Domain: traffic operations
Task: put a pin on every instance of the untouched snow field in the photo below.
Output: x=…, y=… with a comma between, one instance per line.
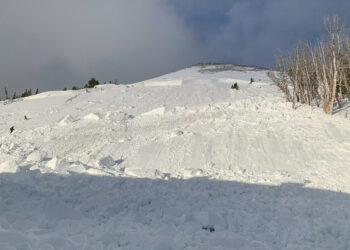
x=181, y=161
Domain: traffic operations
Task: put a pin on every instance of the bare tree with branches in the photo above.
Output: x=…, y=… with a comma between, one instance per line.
x=320, y=74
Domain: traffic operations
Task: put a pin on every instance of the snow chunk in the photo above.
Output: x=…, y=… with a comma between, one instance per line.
x=8, y=167
x=52, y=164
x=189, y=173
x=34, y=157
x=157, y=111
x=92, y=117
x=77, y=168
x=132, y=172
x=94, y=171
x=66, y=120
x=108, y=114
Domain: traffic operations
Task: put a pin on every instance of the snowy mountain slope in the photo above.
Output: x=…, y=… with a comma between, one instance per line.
x=158, y=164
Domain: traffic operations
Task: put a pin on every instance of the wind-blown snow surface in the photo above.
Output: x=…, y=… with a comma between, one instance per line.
x=177, y=162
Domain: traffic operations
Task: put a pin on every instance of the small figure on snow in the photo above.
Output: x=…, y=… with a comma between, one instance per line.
x=235, y=86
x=12, y=129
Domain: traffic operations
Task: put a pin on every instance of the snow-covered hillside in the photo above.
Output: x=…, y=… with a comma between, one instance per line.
x=181, y=161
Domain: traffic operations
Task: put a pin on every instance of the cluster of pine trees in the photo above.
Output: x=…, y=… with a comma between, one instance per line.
x=27, y=92
x=91, y=84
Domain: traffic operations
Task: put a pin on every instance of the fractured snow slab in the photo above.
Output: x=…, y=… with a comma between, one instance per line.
x=231, y=80
x=49, y=94
x=163, y=83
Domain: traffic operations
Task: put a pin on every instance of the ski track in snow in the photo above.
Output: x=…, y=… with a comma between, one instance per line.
x=160, y=164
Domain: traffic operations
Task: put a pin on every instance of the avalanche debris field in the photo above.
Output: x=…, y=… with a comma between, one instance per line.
x=181, y=161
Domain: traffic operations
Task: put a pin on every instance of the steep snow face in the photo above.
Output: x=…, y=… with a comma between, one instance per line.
x=181, y=161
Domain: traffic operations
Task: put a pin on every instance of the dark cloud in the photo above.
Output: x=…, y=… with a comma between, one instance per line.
x=252, y=31
x=54, y=44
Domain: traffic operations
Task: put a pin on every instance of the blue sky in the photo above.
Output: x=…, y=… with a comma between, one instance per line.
x=49, y=44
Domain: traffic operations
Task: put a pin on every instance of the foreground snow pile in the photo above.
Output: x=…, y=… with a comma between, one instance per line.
x=177, y=162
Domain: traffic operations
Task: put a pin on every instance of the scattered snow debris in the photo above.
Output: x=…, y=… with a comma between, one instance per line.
x=176, y=162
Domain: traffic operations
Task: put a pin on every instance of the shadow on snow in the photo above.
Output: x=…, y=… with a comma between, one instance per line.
x=77, y=211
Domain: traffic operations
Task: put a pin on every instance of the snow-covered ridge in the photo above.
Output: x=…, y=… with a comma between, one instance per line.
x=161, y=163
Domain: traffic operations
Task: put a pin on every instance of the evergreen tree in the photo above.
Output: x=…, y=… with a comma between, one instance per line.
x=25, y=93
x=37, y=91
x=92, y=83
